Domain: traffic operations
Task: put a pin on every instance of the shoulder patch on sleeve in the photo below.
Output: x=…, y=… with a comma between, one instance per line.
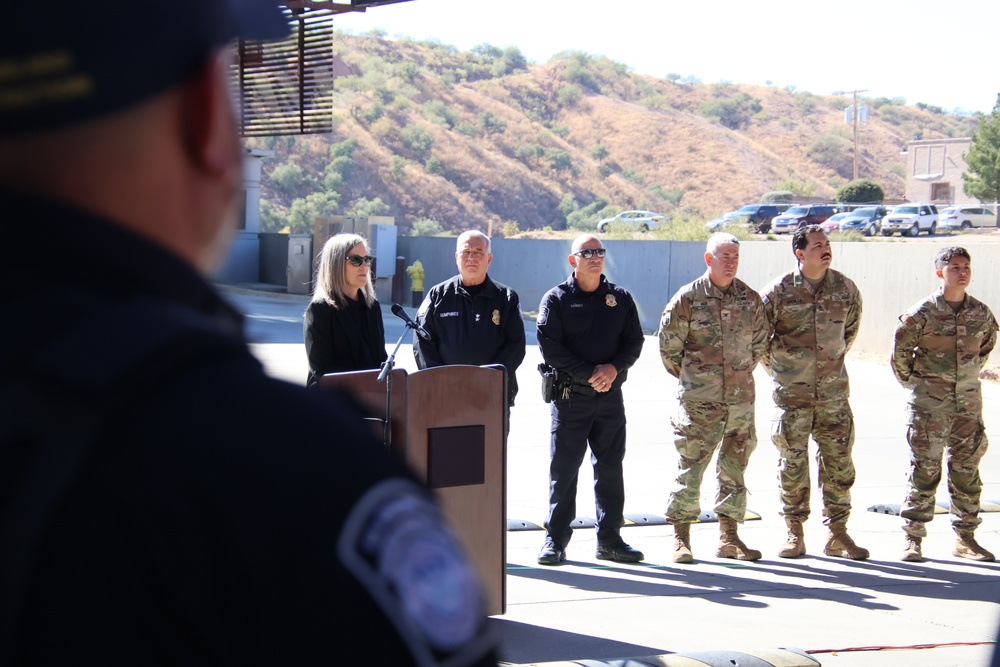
x=395, y=543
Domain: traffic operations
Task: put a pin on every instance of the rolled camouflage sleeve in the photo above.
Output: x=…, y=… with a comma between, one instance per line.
x=761, y=336
x=674, y=325
x=853, y=322
x=904, y=347
x=770, y=314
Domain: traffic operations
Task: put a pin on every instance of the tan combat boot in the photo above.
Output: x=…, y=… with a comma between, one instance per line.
x=967, y=547
x=840, y=545
x=911, y=549
x=796, y=544
x=730, y=545
x=682, y=543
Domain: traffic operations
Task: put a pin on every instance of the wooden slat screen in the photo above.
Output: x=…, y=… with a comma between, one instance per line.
x=285, y=88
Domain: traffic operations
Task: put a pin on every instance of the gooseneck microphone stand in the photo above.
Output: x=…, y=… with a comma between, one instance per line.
x=386, y=375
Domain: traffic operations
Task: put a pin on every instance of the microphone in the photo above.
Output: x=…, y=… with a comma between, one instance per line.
x=398, y=311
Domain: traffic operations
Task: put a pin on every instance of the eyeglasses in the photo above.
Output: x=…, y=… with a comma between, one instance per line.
x=356, y=260
x=587, y=254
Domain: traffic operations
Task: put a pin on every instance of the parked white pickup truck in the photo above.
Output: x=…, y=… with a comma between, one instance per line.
x=910, y=220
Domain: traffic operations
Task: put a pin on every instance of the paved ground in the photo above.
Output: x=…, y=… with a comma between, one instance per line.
x=589, y=609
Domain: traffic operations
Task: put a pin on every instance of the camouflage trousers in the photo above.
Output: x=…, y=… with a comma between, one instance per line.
x=930, y=435
x=831, y=425
x=699, y=428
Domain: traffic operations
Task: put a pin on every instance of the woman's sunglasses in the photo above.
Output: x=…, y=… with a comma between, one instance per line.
x=356, y=260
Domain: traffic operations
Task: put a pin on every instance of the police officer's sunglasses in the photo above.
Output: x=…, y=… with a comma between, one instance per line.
x=356, y=260
x=587, y=254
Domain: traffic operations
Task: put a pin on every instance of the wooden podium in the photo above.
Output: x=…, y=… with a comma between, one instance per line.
x=447, y=423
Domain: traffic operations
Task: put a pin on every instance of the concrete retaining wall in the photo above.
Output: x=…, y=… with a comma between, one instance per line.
x=891, y=276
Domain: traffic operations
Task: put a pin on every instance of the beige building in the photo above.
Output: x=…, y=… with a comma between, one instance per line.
x=934, y=171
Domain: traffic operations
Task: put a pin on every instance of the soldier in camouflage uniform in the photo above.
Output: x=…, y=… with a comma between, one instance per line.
x=712, y=335
x=813, y=312
x=940, y=346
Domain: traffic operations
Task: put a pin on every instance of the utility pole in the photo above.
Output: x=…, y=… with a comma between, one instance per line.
x=855, y=112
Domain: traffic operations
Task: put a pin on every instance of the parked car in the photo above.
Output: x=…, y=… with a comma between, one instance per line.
x=867, y=220
x=911, y=219
x=800, y=216
x=641, y=220
x=832, y=224
x=956, y=218
x=759, y=216
x=724, y=220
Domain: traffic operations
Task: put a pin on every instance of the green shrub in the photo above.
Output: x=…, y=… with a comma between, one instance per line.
x=633, y=177
x=861, y=191
x=528, y=152
x=433, y=165
x=673, y=196
x=585, y=219
x=417, y=138
x=490, y=124
x=438, y=112
x=559, y=159
x=778, y=197
x=397, y=167
x=425, y=228
x=569, y=95
x=289, y=179
x=365, y=207
x=798, y=188
x=833, y=152
x=304, y=211
x=733, y=112
x=509, y=229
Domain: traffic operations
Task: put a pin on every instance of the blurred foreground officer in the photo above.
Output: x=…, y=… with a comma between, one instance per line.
x=472, y=319
x=712, y=335
x=161, y=500
x=941, y=344
x=814, y=313
x=588, y=330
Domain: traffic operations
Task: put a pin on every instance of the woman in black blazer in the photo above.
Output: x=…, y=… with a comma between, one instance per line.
x=343, y=324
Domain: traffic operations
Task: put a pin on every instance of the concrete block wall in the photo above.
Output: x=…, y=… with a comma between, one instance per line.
x=891, y=276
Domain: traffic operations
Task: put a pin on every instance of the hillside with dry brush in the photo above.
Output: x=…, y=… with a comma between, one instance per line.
x=440, y=138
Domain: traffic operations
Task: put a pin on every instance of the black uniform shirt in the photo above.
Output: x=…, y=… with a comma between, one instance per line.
x=579, y=330
x=220, y=517
x=485, y=329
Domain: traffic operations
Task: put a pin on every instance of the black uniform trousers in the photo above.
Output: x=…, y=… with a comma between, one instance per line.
x=576, y=421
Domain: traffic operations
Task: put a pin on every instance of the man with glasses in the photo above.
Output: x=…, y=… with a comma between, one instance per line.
x=163, y=501
x=471, y=318
x=588, y=330
x=712, y=334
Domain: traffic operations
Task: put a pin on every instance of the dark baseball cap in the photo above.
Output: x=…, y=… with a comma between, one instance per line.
x=65, y=61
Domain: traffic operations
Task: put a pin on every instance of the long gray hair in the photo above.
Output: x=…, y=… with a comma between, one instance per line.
x=330, y=285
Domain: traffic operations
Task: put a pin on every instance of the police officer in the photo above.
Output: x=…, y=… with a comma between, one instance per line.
x=472, y=319
x=163, y=501
x=712, y=335
x=941, y=344
x=814, y=313
x=588, y=330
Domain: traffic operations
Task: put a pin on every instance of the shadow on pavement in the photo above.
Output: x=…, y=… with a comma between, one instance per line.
x=524, y=643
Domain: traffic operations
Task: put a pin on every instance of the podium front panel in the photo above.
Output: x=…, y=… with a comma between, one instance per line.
x=461, y=410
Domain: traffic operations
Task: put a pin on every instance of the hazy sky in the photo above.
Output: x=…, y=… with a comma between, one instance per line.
x=940, y=53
